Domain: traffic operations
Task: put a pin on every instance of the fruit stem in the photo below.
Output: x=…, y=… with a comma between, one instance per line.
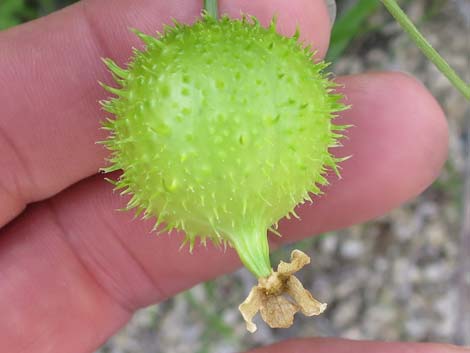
x=253, y=250
x=211, y=8
x=426, y=47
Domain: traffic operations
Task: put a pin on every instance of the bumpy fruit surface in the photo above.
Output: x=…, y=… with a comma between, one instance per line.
x=221, y=128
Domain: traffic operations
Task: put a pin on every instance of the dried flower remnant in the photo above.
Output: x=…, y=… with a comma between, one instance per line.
x=269, y=297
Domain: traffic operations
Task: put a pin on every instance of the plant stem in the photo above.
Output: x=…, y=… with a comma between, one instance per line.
x=426, y=47
x=253, y=249
x=211, y=7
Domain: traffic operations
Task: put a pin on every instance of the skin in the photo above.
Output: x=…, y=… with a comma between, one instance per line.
x=72, y=269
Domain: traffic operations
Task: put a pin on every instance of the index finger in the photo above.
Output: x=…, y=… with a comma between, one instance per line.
x=49, y=91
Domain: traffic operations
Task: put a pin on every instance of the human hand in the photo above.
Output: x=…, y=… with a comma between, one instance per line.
x=72, y=269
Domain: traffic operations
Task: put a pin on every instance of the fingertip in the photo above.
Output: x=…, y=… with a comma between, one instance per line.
x=408, y=111
x=433, y=134
x=399, y=143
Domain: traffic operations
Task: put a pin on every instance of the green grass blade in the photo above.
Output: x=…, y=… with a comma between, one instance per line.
x=349, y=25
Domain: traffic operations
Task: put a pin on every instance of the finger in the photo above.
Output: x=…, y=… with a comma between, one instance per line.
x=49, y=91
x=397, y=151
x=77, y=248
x=330, y=345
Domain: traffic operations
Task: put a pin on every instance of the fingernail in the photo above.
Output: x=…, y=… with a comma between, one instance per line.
x=331, y=4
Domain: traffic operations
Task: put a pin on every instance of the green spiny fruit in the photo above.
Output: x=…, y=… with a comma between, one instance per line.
x=221, y=128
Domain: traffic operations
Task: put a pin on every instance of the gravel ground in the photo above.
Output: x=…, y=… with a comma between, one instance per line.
x=396, y=278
